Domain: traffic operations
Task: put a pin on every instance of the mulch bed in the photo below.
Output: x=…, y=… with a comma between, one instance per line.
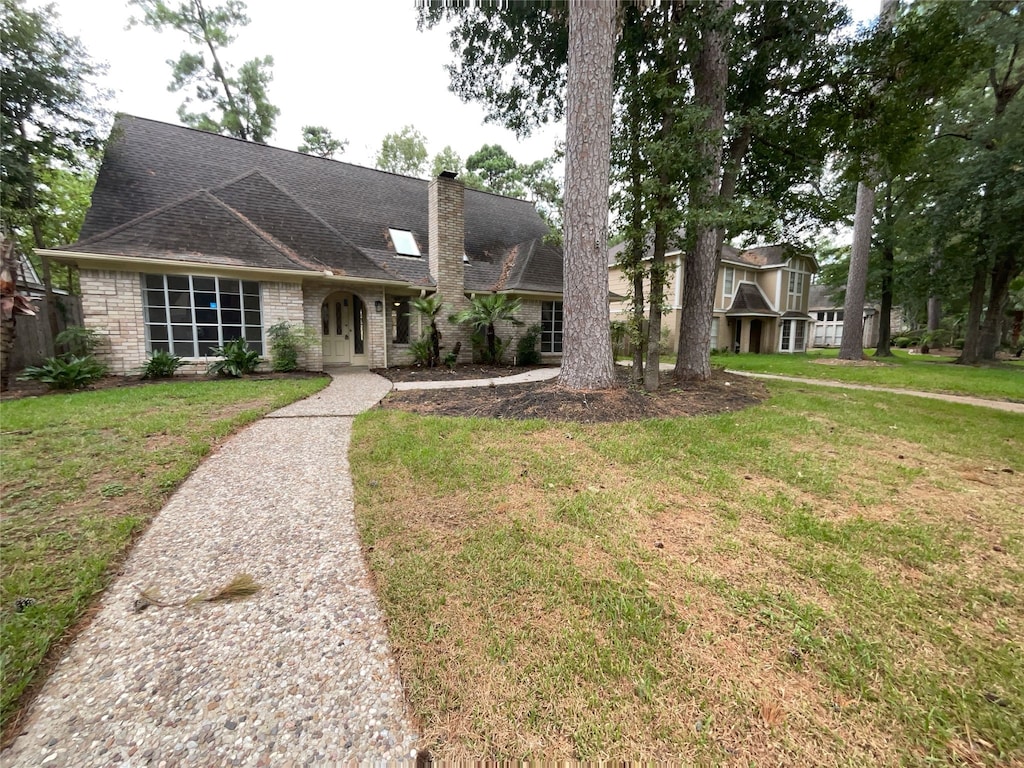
x=547, y=400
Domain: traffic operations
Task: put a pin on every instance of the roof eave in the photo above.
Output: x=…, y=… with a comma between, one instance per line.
x=118, y=261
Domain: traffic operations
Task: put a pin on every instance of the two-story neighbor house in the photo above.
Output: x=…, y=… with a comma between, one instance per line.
x=761, y=298
x=194, y=239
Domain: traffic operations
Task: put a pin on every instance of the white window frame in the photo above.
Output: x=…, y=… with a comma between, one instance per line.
x=551, y=327
x=728, y=281
x=180, y=319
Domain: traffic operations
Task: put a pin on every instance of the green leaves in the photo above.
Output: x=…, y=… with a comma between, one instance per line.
x=241, y=99
x=404, y=152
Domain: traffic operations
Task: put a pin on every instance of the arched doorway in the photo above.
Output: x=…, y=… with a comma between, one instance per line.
x=343, y=325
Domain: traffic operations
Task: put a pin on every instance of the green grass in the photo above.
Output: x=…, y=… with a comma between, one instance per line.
x=902, y=370
x=82, y=475
x=824, y=579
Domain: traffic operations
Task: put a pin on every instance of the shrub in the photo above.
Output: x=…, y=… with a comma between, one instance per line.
x=236, y=359
x=422, y=350
x=286, y=342
x=161, y=365
x=80, y=342
x=526, y=348
x=69, y=372
x=902, y=341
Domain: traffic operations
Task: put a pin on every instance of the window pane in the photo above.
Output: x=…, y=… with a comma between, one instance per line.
x=155, y=281
x=206, y=315
x=231, y=316
x=250, y=288
x=184, y=349
x=839, y=316
x=206, y=284
x=155, y=298
x=207, y=300
x=181, y=315
x=206, y=348
x=160, y=346
x=405, y=243
x=156, y=315
x=181, y=332
x=231, y=332
x=230, y=301
x=228, y=286
x=208, y=333
x=251, y=302
x=253, y=334
x=158, y=332
x=179, y=299
x=325, y=320
x=252, y=318
x=177, y=283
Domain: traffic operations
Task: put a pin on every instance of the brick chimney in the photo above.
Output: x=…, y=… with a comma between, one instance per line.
x=446, y=243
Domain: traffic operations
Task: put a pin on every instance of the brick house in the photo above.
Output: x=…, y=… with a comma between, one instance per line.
x=761, y=298
x=194, y=239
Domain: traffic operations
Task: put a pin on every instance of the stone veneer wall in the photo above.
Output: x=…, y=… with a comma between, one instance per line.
x=112, y=305
x=446, y=225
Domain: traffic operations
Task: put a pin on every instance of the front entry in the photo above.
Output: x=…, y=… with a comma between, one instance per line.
x=755, y=335
x=343, y=321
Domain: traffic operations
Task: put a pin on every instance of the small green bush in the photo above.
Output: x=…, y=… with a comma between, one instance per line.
x=902, y=341
x=80, y=342
x=526, y=348
x=422, y=350
x=69, y=372
x=236, y=359
x=286, y=342
x=161, y=365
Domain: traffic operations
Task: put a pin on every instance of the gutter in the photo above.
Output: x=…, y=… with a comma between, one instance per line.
x=192, y=267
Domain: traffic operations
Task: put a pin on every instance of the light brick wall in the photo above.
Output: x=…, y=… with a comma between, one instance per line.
x=112, y=305
x=283, y=302
x=446, y=228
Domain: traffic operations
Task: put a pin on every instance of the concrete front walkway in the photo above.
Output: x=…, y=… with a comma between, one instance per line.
x=298, y=674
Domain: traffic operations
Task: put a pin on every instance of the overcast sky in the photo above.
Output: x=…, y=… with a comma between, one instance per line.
x=360, y=68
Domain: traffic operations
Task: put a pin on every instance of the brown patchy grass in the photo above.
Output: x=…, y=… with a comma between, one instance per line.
x=793, y=584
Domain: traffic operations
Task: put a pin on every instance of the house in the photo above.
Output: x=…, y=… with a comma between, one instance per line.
x=761, y=297
x=828, y=314
x=194, y=239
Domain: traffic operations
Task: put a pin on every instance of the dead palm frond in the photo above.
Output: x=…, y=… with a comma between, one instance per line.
x=240, y=587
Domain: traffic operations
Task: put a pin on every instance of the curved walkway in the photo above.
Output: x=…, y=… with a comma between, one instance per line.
x=1001, y=405
x=298, y=674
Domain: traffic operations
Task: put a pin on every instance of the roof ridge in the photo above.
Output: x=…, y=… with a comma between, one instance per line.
x=312, y=214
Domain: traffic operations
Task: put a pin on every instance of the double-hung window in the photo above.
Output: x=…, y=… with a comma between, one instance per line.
x=190, y=315
x=551, y=327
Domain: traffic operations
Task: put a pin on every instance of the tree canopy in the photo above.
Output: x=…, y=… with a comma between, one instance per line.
x=218, y=99
x=318, y=140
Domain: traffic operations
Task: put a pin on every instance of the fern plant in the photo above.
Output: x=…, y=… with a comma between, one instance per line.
x=236, y=359
x=161, y=365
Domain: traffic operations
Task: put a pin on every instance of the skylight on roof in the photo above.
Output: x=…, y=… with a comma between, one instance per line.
x=405, y=243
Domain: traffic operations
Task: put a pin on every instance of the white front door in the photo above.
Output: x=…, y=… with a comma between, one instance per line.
x=336, y=319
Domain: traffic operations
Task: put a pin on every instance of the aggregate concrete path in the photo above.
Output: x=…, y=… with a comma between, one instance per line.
x=298, y=674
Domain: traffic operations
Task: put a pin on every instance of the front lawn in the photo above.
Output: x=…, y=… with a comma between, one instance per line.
x=929, y=373
x=82, y=475
x=831, y=578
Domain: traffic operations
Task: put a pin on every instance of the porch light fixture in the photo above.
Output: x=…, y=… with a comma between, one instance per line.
x=378, y=306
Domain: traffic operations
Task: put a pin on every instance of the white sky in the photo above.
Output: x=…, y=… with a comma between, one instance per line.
x=358, y=67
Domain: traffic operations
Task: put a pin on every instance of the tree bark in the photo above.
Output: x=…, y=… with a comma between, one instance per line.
x=587, y=351
x=852, y=346
x=710, y=79
x=972, y=330
x=934, y=313
x=1003, y=272
x=652, y=373
x=888, y=263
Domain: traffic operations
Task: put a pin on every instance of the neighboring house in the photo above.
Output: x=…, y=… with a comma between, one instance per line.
x=761, y=298
x=828, y=314
x=194, y=239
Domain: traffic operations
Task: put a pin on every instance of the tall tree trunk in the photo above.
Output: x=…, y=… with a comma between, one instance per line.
x=587, y=351
x=934, y=313
x=710, y=78
x=652, y=372
x=852, y=346
x=969, y=355
x=633, y=266
x=888, y=263
x=1003, y=272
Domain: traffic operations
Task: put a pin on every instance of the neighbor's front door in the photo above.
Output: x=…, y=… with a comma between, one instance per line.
x=336, y=318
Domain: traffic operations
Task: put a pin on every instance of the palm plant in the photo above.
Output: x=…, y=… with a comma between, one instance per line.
x=483, y=314
x=430, y=308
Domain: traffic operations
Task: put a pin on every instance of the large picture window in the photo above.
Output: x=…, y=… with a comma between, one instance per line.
x=190, y=316
x=551, y=327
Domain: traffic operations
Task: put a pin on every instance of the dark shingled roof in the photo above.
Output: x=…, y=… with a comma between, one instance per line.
x=750, y=301
x=169, y=192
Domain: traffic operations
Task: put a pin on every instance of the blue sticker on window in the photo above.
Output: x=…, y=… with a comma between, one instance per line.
x=213, y=305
